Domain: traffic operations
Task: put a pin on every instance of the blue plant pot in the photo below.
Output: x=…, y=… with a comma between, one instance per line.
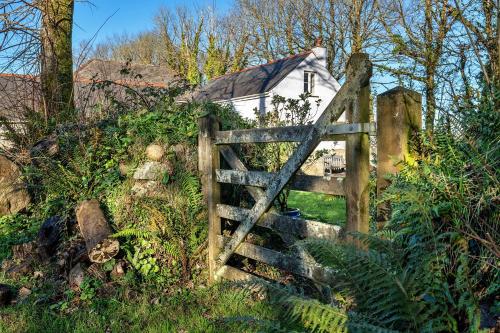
x=292, y=212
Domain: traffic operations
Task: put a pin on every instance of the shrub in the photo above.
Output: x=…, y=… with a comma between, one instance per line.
x=163, y=233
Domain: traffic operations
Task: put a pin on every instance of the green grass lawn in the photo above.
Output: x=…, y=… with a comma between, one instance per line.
x=319, y=207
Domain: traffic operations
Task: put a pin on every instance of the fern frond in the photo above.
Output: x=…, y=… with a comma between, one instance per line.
x=172, y=249
x=316, y=316
x=382, y=288
x=133, y=232
x=192, y=189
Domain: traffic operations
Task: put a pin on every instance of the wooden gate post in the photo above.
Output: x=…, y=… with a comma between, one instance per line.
x=399, y=112
x=357, y=157
x=208, y=162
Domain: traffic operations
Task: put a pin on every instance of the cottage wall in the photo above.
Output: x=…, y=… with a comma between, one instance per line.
x=325, y=86
x=247, y=105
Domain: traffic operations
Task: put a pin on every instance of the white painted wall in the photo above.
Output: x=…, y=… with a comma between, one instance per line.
x=325, y=88
x=247, y=105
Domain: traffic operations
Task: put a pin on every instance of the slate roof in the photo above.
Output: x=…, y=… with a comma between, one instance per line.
x=249, y=81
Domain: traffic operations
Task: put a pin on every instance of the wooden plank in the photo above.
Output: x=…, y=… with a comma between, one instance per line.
x=350, y=128
x=358, y=161
x=208, y=163
x=334, y=132
x=318, y=184
x=296, y=227
x=256, y=135
x=252, y=178
x=234, y=274
x=361, y=70
x=293, y=264
x=256, y=192
x=340, y=131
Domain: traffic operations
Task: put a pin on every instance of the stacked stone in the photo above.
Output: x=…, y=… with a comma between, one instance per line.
x=148, y=176
x=14, y=196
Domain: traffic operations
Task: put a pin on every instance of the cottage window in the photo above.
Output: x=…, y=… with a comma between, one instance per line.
x=309, y=82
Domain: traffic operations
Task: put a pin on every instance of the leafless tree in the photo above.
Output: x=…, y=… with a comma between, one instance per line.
x=416, y=34
x=19, y=37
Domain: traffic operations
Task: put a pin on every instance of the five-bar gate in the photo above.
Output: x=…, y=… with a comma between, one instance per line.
x=353, y=98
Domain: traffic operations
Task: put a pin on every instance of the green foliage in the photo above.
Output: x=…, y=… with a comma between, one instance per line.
x=168, y=122
x=83, y=171
x=198, y=310
x=162, y=233
x=215, y=65
x=88, y=289
x=434, y=267
x=16, y=229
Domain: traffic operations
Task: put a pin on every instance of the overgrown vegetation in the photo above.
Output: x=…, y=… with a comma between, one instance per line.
x=214, y=309
x=162, y=235
x=434, y=266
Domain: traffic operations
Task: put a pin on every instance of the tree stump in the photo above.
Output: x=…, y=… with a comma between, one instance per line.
x=96, y=231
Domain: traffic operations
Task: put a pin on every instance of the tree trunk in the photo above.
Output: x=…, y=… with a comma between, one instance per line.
x=57, y=60
x=357, y=40
x=430, y=102
x=429, y=64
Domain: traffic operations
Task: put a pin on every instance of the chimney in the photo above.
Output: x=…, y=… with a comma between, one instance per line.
x=320, y=51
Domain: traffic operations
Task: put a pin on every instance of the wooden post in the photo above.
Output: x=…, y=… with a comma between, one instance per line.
x=399, y=113
x=209, y=161
x=357, y=156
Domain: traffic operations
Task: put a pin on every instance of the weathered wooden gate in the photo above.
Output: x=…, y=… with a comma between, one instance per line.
x=353, y=98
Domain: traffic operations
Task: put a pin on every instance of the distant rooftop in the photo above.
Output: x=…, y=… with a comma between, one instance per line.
x=119, y=72
x=21, y=92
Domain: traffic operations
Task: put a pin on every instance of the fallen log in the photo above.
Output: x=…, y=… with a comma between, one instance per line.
x=96, y=232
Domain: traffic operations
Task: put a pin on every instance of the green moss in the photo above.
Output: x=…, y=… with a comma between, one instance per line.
x=16, y=229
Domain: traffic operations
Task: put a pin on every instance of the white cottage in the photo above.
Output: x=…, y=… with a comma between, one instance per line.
x=253, y=88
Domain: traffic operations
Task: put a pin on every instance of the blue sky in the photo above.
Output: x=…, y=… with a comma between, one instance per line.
x=132, y=16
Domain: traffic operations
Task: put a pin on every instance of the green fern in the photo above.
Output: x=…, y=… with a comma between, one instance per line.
x=133, y=232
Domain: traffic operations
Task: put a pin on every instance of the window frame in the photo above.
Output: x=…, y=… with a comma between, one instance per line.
x=309, y=82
